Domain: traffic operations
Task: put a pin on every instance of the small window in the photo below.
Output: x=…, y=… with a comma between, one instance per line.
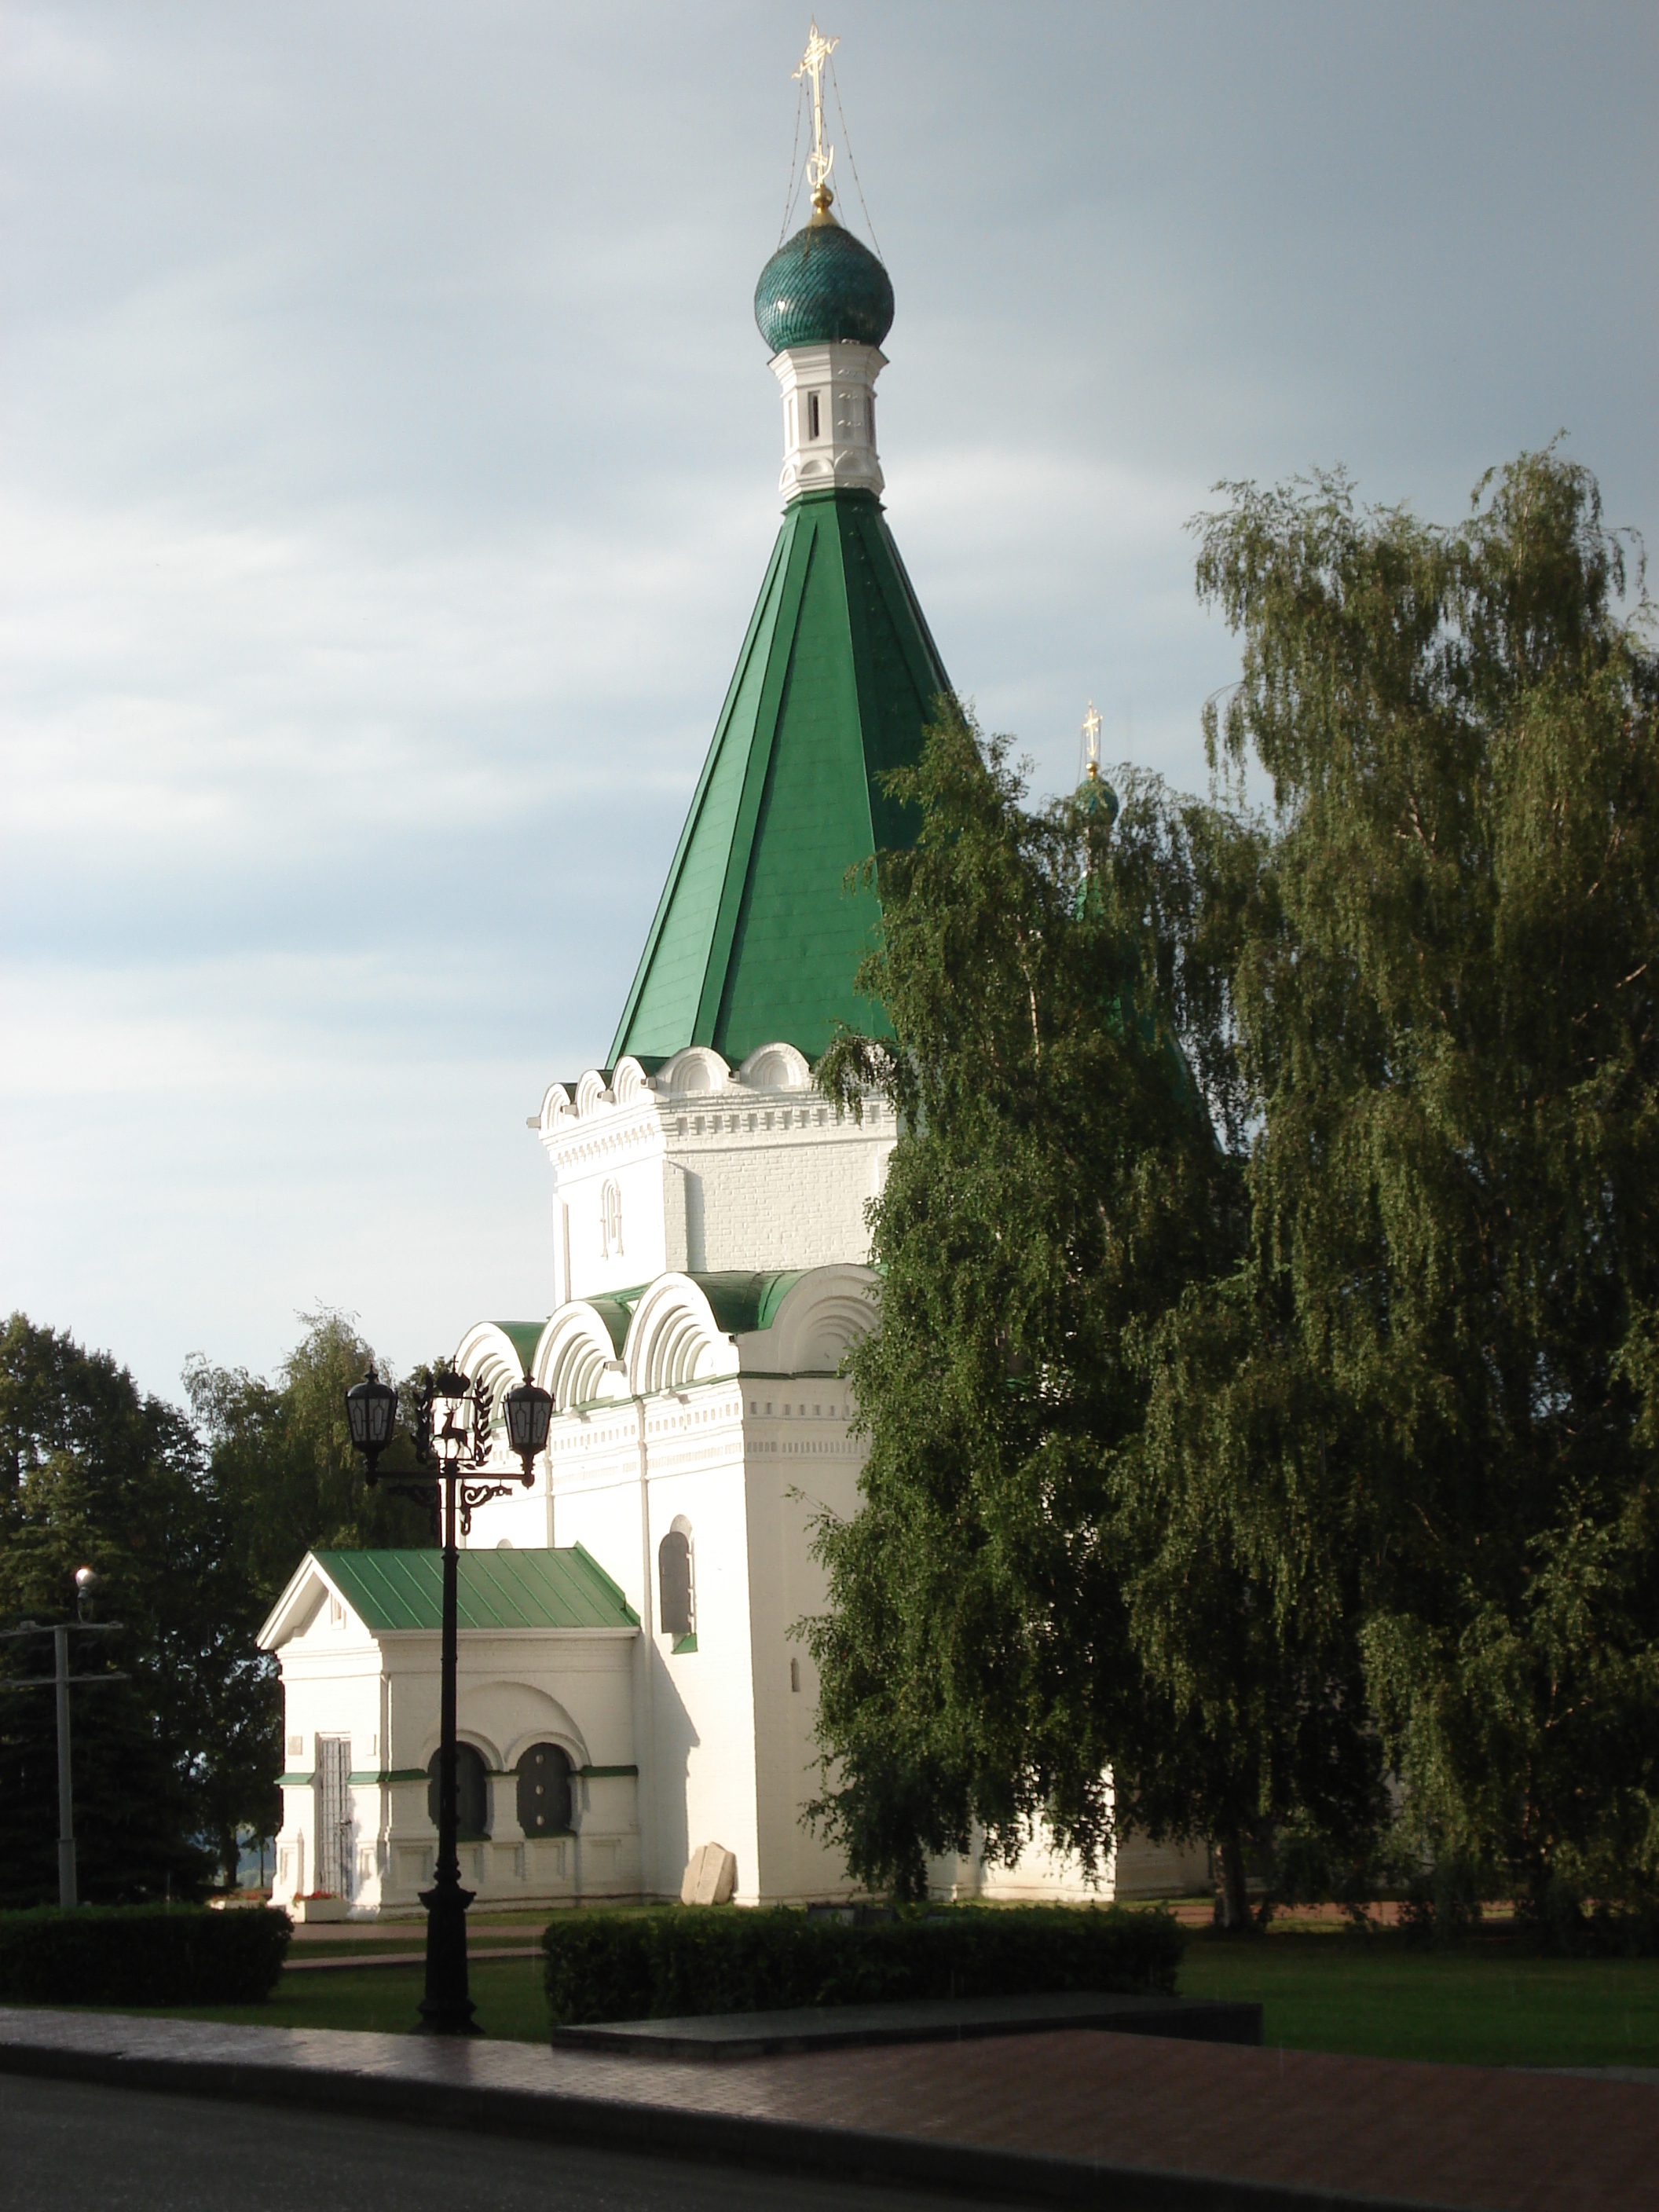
x=472, y=1794
x=674, y=1582
x=811, y=413
x=794, y=1674
x=611, y=1241
x=336, y=1613
x=544, y=1791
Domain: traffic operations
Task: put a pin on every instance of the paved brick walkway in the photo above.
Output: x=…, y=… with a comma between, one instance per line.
x=1048, y=2116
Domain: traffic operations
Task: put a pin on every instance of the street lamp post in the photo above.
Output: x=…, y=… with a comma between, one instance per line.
x=452, y=1441
x=85, y=1583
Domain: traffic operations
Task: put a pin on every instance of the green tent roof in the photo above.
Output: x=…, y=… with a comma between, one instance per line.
x=562, y=1588
x=757, y=936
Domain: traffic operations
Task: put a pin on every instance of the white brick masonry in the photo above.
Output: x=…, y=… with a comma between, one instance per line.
x=703, y=1168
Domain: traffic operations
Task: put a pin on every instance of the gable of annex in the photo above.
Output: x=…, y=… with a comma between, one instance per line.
x=376, y=1594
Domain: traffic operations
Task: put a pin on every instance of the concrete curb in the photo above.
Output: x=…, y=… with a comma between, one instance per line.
x=713, y=2138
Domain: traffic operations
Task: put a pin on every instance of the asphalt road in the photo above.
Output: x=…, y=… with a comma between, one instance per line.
x=63, y=2146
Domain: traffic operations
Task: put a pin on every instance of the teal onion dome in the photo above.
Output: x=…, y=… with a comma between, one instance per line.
x=1095, y=797
x=822, y=284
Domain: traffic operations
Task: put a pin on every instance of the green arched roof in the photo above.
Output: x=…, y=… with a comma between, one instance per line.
x=742, y=1302
x=523, y=1336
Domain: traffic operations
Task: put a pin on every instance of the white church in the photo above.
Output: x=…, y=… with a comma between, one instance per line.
x=629, y=1690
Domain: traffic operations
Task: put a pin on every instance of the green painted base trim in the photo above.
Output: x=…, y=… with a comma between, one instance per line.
x=685, y=1644
x=383, y=1774
x=595, y=1774
x=295, y=1781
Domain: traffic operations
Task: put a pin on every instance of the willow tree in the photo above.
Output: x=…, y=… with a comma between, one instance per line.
x=1062, y=1064
x=1445, y=1342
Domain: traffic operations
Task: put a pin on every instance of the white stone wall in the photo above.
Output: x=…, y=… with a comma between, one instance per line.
x=704, y=1169
x=622, y=1479
x=573, y=1688
x=798, y=1460
x=743, y=1426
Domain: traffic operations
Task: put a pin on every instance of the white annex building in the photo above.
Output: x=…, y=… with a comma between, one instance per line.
x=629, y=1687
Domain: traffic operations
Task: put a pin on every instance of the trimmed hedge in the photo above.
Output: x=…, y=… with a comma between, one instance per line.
x=662, y=1964
x=146, y=1954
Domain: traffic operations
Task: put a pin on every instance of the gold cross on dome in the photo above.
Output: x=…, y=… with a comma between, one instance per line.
x=1091, y=742
x=818, y=163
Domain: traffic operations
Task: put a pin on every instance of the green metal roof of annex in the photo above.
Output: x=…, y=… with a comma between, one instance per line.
x=757, y=936
x=565, y=1588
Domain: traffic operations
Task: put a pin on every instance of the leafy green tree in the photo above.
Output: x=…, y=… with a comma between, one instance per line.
x=1063, y=1065
x=281, y=1479
x=1443, y=1347
x=194, y=1528
x=282, y=1469
x=94, y=1473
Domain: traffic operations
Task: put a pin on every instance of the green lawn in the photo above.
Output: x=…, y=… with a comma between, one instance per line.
x=507, y=1994
x=1487, y=2003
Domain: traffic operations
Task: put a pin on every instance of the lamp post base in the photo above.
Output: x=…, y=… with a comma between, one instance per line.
x=447, y=2008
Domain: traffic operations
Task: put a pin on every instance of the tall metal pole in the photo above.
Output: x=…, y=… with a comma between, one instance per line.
x=447, y=2007
x=66, y=1894
x=465, y=1441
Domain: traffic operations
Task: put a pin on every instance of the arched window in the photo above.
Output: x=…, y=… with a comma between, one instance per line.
x=544, y=1791
x=611, y=1241
x=472, y=1794
x=674, y=1585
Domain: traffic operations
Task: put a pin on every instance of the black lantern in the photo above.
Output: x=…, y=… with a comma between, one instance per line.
x=529, y=1412
x=372, y=1411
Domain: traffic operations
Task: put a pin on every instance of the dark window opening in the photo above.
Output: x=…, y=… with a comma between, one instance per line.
x=472, y=1794
x=544, y=1791
x=812, y=429
x=674, y=1576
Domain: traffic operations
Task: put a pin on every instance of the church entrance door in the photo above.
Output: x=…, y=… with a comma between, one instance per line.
x=333, y=1850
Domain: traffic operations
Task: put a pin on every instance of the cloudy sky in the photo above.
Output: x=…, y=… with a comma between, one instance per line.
x=389, y=462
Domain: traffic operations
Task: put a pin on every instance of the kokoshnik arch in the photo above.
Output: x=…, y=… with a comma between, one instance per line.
x=629, y=1689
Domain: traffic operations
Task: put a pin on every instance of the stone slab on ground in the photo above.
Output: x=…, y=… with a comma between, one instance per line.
x=957, y=2020
x=1079, y=2117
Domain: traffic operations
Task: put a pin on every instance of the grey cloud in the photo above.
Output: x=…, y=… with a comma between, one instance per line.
x=390, y=464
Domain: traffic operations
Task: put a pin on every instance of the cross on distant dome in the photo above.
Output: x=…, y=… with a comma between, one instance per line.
x=1092, y=743
x=818, y=162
